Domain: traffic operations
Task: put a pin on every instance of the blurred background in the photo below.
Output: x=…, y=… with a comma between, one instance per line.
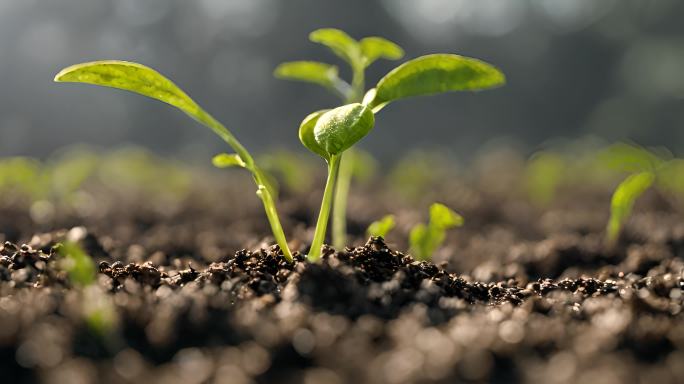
x=607, y=68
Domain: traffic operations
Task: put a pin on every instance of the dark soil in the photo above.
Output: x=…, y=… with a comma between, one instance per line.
x=519, y=295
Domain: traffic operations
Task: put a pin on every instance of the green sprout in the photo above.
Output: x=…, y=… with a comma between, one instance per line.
x=78, y=265
x=543, y=175
x=623, y=199
x=143, y=80
x=359, y=55
x=381, y=227
x=98, y=308
x=645, y=167
x=425, y=239
x=426, y=75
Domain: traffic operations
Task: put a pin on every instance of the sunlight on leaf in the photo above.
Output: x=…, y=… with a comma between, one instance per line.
x=306, y=134
x=438, y=73
x=339, y=42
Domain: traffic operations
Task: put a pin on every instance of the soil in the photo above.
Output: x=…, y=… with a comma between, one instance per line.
x=521, y=294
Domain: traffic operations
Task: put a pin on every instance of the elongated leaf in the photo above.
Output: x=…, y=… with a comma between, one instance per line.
x=623, y=200
x=438, y=73
x=374, y=48
x=339, y=42
x=309, y=71
x=132, y=77
x=226, y=160
x=340, y=128
x=306, y=134
x=146, y=81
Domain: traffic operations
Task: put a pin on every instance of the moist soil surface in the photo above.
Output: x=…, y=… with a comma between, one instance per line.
x=520, y=294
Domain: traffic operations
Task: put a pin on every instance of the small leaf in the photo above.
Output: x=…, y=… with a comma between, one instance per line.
x=306, y=134
x=309, y=71
x=131, y=77
x=444, y=218
x=374, y=48
x=226, y=160
x=340, y=128
x=78, y=264
x=438, y=73
x=623, y=200
x=339, y=42
x=381, y=227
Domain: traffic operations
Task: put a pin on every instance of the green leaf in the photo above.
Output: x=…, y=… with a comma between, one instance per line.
x=78, y=264
x=306, y=134
x=374, y=48
x=630, y=158
x=438, y=73
x=381, y=227
x=146, y=81
x=419, y=241
x=309, y=71
x=623, y=200
x=131, y=77
x=226, y=160
x=339, y=42
x=338, y=129
x=444, y=218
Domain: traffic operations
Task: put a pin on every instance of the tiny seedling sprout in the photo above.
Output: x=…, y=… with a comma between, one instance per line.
x=425, y=239
x=338, y=129
x=381, y=227
x=148, y=82
x=623, y=199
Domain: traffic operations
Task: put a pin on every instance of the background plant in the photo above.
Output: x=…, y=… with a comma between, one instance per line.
x=424, y=239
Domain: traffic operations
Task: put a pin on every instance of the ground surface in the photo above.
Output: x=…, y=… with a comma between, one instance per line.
x=521, y=294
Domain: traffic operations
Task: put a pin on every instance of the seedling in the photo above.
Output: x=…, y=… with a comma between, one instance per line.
x=381, y=227
x=98, y=309
x=425, y=239
x=143, y=80
x=359, y=55
x=623, y=199
x=338, y=129
x=543, y=176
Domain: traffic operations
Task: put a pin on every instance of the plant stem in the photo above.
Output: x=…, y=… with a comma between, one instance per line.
x=339, y=219
x=324, y=214
x=263, y=193
x=343, y=184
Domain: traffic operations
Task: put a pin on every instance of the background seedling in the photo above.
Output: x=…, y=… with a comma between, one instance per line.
x=426, y=75
x=543, y=175
x=98, y=309
x=623, y=199
x=425, y=239
x=645, y=167
x=146, y=81
x=381, y=227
